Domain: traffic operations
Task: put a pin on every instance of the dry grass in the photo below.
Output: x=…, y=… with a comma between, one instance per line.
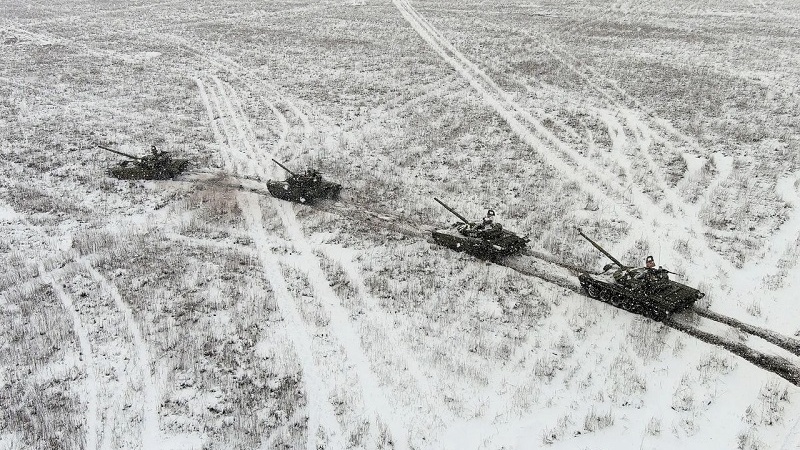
x=40, y=389
x=206, y=315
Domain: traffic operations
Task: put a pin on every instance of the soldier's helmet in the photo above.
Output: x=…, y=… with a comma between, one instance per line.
x=490, y=213
x=153, y=149
x=649, y=262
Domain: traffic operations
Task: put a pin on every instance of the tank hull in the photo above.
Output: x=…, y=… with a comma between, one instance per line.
x=656, y=301
x=165, y=171
x=494, y=245
x=304, y=193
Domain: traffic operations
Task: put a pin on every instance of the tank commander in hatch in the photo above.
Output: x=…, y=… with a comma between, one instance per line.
x=487, y=224
x=158, y=155
x=653, y=274
x=488, y=221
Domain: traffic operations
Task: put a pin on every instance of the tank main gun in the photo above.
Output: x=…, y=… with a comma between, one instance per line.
x=284, y=168
x=453, y=211
x=120, y=153
x=597, y=246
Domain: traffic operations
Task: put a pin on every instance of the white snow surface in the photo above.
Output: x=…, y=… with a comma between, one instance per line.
x=393, y=342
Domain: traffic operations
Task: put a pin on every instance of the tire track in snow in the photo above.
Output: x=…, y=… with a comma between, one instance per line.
x=374, y=397
x=212, y=119
x=240, y=129
x=320, y=410
x=513, y=114
x=84, y=344
x=321, y=415
x=501, y=102
x=91, y=383
x=218, y=112
x=112, y=407
x=426, y=387
x=608, y=179
x=151, y=432
x=651, y=129
x=37, y=280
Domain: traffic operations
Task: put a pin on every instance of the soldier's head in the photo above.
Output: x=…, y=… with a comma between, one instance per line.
x=490, y=213
x=649, y=262
x=153, y=149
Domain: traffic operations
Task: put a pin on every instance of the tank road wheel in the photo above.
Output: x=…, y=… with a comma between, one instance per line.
x=592, y=290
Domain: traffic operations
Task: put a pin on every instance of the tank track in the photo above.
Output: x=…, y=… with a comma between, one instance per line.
x=607, y=294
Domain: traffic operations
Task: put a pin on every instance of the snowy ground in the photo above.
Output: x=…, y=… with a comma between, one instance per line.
x=196, y=314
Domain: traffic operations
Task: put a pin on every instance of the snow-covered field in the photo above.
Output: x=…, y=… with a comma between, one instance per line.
x=196, y=313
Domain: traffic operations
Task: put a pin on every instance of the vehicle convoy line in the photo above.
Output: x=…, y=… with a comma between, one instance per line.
x=526, y=264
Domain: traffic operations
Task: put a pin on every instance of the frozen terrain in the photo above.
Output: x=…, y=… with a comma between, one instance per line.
x=201, y=313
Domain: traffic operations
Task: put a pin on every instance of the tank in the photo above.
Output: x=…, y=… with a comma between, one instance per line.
x=158, y=165
x=642, y=290
x=304, y=188
x=485, y=242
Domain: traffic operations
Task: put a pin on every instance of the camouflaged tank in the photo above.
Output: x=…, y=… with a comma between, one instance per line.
x=158, y=165
x=304, y=188
x=482, y=241
x=645, y=290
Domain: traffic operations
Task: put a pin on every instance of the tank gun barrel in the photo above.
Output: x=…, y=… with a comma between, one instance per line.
x=669, y=271
x=453, y=211
x=597, y=246
x=284, y=167
x=119, y=153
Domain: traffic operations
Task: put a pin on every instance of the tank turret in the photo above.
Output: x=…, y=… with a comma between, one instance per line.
x=307, y=187
x=487, y=240
x=644, y=290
